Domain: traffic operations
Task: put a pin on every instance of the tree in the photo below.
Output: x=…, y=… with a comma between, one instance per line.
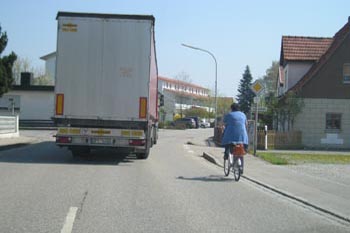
x=294, y=104
x=269, y=81
x=20, y=65
x=181, y=96
x=224, y=104
x=246, y=95
x=24, y=65
x=270, y=78
x=284, y=110
x=199, y=112
x=6, y=63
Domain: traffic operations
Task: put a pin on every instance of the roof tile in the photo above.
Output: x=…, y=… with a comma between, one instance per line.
x=298, y=48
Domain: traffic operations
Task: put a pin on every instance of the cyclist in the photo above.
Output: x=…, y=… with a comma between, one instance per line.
x=235, y=130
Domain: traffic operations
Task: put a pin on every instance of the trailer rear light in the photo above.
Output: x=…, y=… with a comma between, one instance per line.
x=59, y=104
x=137, y=142
x=143, y=107
x=64, y=139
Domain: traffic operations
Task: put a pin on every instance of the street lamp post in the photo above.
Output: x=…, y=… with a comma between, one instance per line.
x=216, y=75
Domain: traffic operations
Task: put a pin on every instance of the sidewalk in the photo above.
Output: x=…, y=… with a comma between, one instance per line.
x=13, y=142
x=321, y=190
x=323, y=187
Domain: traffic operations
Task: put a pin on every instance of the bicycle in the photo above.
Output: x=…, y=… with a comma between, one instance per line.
x=234, y=161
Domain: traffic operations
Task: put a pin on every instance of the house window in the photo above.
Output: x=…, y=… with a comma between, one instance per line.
x=333, y=121
x=346, y=73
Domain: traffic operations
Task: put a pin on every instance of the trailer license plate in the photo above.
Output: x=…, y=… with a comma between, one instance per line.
x=101, y=141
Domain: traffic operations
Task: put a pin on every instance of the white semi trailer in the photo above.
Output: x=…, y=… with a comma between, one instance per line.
x=106, y=82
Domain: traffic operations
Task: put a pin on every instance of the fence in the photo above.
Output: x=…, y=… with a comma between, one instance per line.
x=280, y=140
x=275, y=140
x=9, y=126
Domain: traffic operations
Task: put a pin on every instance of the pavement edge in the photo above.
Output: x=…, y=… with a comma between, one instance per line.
x=211, y=159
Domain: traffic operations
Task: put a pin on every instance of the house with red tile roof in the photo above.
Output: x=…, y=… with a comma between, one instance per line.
x=318, y=70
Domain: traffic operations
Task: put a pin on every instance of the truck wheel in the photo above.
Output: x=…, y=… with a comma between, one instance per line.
x=145, y=154
x=155, y=136
x=142, y=155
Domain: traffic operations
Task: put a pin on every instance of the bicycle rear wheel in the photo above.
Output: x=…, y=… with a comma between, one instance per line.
x=226, y=167
x=236, y=168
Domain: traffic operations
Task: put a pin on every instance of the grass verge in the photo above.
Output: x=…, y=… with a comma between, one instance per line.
x=300, y=158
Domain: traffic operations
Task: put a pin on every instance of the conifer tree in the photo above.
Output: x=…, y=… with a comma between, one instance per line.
x=6, y=63
x=245, y=95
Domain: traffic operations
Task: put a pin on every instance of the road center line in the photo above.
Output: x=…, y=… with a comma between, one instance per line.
x=68, y=224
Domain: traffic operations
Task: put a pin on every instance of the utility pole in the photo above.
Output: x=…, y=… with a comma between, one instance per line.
x=257, y=87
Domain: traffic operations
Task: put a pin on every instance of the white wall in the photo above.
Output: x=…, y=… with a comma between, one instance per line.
x=50, y=65
x=294, y=72
x=35, y=105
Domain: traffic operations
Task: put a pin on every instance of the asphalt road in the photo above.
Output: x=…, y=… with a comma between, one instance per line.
x=43, y=189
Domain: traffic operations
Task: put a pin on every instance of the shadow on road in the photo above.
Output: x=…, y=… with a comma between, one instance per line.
x=8, y=147
x=211, y=178
x=49, y=153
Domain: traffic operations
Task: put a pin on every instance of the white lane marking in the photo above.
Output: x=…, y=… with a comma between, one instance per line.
x=68, y=224
x=191, y=151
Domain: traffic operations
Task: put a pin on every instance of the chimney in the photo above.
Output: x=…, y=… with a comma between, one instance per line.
x=26, y=79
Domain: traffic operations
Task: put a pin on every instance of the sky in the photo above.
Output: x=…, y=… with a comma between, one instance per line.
x=237, y=32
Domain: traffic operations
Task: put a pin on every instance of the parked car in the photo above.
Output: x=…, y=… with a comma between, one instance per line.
x=187, y=122
x=205, y=124
x=196, y=120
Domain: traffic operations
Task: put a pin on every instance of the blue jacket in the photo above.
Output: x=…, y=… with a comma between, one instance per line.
x=235, y=128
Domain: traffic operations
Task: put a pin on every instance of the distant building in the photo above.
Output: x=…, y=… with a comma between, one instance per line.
x=31, y=102
x=180, y=95
x=50, y=64
x=318, y=70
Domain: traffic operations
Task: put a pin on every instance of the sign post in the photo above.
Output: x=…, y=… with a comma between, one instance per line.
x=257, y=87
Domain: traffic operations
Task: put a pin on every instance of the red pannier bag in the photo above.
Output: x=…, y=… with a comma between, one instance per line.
x=238, y=150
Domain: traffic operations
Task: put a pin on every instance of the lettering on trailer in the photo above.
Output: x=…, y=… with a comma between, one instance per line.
x=126, y=72
x=69, y=131
x=69, y=27
x=133, y=133
x=100, y=132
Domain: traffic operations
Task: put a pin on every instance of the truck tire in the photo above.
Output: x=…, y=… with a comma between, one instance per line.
x=142, y=155
x=149, y=144
x=155, y=135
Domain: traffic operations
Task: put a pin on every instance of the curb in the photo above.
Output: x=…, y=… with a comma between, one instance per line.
x=18, y=144
x=211, y=159
x=38, y=128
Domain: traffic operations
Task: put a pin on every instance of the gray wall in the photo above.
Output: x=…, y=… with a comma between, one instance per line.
x=328, y=82
x=312, y=123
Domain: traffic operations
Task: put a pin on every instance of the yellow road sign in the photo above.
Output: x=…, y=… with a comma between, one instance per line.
x=257, y=87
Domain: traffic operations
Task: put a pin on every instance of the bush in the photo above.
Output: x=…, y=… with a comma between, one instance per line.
x=161, y=125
